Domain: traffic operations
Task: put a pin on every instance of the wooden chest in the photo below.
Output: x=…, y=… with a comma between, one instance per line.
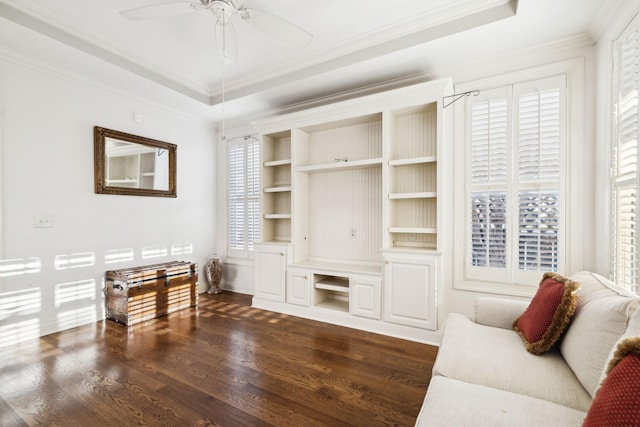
x=136, y=294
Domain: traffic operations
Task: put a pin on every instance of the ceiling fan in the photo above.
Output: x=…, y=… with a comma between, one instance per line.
x=224, y=11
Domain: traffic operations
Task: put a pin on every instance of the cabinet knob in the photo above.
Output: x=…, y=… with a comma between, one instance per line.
x=282, y=253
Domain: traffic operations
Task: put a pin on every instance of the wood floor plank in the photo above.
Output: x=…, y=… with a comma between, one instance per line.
x=221, y=364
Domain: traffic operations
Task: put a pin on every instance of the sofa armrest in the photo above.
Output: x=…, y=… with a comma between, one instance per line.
x=497, y=312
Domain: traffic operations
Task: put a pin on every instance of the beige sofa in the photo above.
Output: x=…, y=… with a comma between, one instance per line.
x=484, y=376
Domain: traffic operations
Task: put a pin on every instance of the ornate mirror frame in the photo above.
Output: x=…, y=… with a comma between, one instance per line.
x=104, y=185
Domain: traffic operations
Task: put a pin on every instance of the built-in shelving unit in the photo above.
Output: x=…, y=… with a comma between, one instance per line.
x=352, y=192
x=331, y=292
x=413, y=170
x=276, y=187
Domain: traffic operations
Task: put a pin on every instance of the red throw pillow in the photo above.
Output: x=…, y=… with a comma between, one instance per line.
x=548, y=314
x=617, y=402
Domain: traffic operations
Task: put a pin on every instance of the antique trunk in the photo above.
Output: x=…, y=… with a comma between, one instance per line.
x=136, y=294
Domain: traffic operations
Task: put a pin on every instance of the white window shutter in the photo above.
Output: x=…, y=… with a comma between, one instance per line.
x=243, y=196
x=489, y=131
x=236, y=197
x=516, y=139
x=626, y=131
x=540, y=137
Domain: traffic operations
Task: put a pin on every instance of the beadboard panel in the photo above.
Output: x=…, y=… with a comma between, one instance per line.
x=419, y=213
x=414, y=178
x=357, y=141
x=414, y=133
x=339, y=202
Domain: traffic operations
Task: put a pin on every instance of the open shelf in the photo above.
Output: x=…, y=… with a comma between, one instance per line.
x=278, y=189
x=331, y=292
x=274, y=163
x=338, y=284
x=341, y=165
x=335, y=304
x=277, y=216
x=416, y=230
x=420, y=195
x=336, y=267
x=413, y=161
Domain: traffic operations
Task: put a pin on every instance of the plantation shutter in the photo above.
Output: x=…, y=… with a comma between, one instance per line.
x=243, y=196
x=489, y=131
x=253, y=194
x=515, y=180
x=236, y=197
x=540, y=137
x=625, y=157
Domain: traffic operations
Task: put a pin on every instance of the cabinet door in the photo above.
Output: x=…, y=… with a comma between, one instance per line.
x=298, y=287
x=364, y=297
x=270, y=270
x=410, y=290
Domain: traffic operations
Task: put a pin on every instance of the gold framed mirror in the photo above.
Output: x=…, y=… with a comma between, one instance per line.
x=133, y=165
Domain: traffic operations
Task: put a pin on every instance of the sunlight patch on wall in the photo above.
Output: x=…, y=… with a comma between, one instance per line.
x=113, y=256
x=20, y=303
x=76, y=317
x=14, y=305
x=181, y=248
x=72, y=294
x=86, y=259
x=154, y=252
x=75, y=291
x=17, y=332
x=16, y=267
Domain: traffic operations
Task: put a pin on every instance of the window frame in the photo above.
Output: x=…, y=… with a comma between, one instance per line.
x=571, y=239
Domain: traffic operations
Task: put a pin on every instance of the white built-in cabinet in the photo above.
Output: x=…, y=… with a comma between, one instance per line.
x=270, y=272
x=350, y=197
x=411, y=280
x=298, y=286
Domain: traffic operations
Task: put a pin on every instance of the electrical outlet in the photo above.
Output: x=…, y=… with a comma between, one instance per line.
x=43, y=221
x=352, y=232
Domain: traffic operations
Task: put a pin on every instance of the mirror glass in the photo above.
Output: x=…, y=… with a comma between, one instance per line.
x=133, y=165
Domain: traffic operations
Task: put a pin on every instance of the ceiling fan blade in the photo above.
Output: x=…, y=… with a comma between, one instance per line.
x=277, y=27
x=227, y=42
x=162, y=10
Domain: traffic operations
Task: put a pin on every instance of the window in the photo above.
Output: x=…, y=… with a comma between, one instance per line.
x=626, y=70
x=243, y=193
x=514, y=182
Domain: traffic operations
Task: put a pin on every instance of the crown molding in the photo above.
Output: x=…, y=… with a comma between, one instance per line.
x=609, y=17
x=450, y=19
x=453, y=17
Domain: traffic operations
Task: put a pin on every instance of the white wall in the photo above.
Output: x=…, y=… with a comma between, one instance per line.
x=47, y=169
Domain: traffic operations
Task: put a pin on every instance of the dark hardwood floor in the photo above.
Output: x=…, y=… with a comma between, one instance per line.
x=223, y=364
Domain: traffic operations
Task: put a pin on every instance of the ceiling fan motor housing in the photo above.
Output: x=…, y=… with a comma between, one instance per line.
x=221, y=9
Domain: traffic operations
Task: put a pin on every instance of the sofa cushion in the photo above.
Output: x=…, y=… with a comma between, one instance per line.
x=548, y=314
x=495, y=357
x=600, y=319
x=451, y=403
x=617, y=400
